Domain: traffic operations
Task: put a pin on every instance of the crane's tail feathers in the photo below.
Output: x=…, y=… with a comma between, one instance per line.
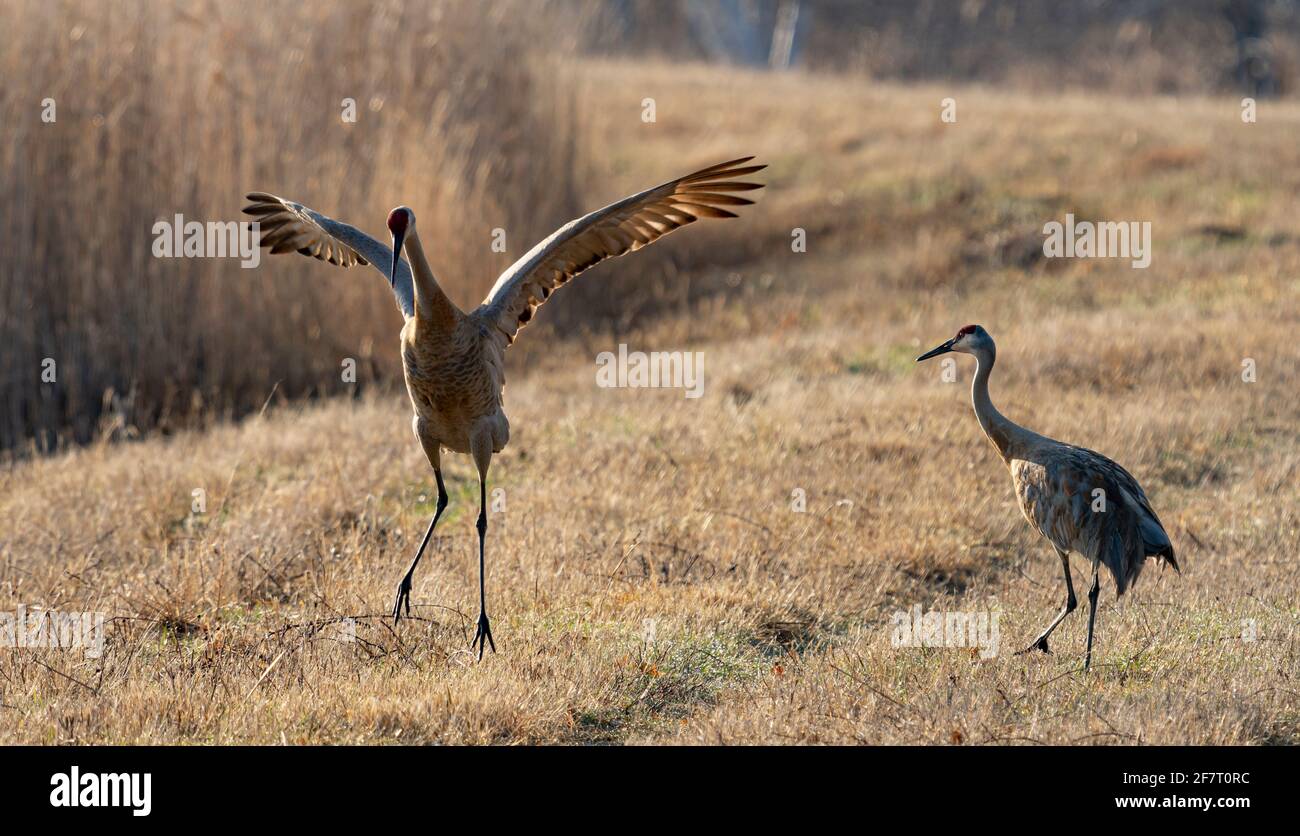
x=1130, y=569
x=1167, y=555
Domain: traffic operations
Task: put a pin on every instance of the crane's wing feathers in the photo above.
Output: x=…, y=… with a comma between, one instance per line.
x=619, y=228
x=1058, y=495
x=287, y=227
x=1119, y=482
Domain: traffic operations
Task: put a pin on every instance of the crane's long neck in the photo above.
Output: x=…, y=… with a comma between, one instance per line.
x=431, y=305
x=1001, y=431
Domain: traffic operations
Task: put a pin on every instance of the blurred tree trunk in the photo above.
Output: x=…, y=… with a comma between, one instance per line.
x=1254, y=70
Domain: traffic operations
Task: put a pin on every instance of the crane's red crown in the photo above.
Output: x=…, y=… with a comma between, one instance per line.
x=966, y=329
x=398, y=219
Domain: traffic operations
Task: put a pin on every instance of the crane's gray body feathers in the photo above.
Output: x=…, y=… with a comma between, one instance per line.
x=1057, y=487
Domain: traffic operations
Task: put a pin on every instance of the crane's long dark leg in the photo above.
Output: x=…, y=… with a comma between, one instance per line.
x=483, y=636
x=1092, y=610
x=1070, y=603
x=482, y=450
x=404, y=588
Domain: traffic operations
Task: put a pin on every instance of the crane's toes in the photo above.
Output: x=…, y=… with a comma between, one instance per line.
x=1041, y=644
x=483, y=636
x=403, y=600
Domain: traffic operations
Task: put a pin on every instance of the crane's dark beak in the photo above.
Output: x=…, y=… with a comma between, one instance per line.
x=937, y=350
x=399, y=238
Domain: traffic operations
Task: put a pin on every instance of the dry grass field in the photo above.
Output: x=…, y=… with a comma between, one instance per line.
x=650, y=579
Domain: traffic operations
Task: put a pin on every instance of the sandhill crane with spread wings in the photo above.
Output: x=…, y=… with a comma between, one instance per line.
x=1079, y=500
x=454, y=361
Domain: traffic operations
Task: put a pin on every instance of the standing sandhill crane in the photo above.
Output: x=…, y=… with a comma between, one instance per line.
x=1079, y=500
x=454, y=362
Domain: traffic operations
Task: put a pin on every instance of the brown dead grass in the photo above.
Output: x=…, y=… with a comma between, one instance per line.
x=649, y=579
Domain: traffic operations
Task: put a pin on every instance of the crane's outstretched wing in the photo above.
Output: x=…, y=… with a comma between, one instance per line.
x=287, y=226
x=619, y=228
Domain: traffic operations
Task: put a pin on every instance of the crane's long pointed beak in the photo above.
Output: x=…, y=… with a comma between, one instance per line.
x=936, y=351
x=399, y=238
